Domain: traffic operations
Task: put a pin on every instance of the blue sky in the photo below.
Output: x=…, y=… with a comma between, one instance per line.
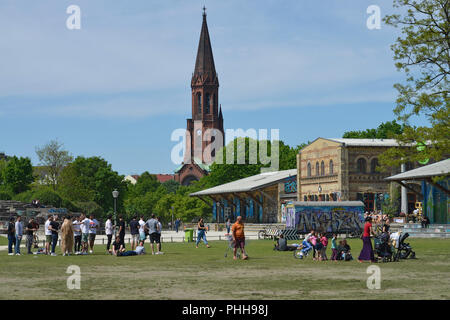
x=118, y=87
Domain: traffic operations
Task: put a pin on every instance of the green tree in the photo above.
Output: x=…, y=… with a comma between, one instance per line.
x=17, y=174
x=422, y=52
x=386, y=130
x=53, y=158
x=96, y=175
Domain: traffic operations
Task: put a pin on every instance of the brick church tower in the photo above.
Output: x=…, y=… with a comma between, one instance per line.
x=207, y=116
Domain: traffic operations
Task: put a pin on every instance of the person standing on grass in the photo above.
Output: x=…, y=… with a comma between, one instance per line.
x=121, y=232
x=201, y=233
x=237, y=231
x=85, y=222
x=11, y=236
x=109, y=230
x=93, y=226
x=177, y=224
x=142, y=234
x=48, y=234
x=334, y=251
x=228, y=225
x=324, y=241
x=19, y=234
x=54, y=226
x=134, y=231
x=367, y=250
x=77, y=235
x=159, y=230
x=30, y=229
x=152, y=225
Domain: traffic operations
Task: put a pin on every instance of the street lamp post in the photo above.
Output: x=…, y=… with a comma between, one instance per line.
x=115, y=195
x=172, y=219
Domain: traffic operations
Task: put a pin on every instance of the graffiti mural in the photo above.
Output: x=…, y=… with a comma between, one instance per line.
x=339, y=219
x=290, y=186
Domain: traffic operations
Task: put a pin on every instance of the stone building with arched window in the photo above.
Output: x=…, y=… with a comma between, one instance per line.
x=345, y=170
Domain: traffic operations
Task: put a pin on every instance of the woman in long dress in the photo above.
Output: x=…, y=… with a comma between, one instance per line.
x=67, y=236
x=367, y=250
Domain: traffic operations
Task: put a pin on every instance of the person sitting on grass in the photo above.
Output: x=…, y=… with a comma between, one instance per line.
x=117, y=246
x=346, y=254
x=283, y=246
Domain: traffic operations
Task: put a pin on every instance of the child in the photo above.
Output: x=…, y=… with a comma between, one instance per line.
x=334, y=248
x=323, y=252
x=346, y=254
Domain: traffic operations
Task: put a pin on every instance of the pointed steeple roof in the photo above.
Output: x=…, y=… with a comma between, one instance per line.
x=205, y=61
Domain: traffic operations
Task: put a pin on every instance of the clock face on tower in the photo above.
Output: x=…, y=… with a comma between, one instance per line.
x=199, y=132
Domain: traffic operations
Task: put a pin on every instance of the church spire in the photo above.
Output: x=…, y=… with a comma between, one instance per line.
x=204, y=64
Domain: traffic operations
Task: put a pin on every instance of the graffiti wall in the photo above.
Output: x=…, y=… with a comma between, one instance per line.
x=339, y=219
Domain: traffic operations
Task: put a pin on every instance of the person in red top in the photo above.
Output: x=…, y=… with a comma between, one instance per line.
x=367, y=250
x=237, y=231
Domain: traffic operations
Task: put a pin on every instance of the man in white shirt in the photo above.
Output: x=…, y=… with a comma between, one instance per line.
x=93, y=225
x=77, y=234
x=48, y=234
x=142, y=235
x=109, y=230
x=85, y=222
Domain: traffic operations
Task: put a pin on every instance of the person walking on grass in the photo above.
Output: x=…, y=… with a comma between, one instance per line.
x=48, y=234
x=54, y=226
x=109, y=233
x=177, y=224
x=152, y=226
x=134, y=231
x=11, y=236
x=30, y=229
x=201, y=233
x=19, y=234
x=237, y=231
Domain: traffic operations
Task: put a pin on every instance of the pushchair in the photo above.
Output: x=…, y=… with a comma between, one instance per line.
x=404, y=250
x=383, y=248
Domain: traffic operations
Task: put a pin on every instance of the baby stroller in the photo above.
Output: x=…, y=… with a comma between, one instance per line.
x=404, y=250
x=382, y=247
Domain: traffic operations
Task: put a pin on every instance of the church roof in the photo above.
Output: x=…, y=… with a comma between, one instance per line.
x=205, y=61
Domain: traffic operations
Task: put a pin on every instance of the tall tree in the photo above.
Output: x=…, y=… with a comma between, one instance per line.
x=17, y=174
x=54, y=158
x=422, y=52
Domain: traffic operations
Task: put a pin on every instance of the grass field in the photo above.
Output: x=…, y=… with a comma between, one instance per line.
x=185, y=272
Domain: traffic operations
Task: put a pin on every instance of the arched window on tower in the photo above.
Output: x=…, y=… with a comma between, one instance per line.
x=199, y=102
x=317, y=169
x=207, y=103
x=308, y=169
x=361, y=165
x=331, y=167
x=322, y=168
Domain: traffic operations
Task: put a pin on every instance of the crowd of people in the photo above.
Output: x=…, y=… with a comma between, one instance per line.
x=77, y=235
